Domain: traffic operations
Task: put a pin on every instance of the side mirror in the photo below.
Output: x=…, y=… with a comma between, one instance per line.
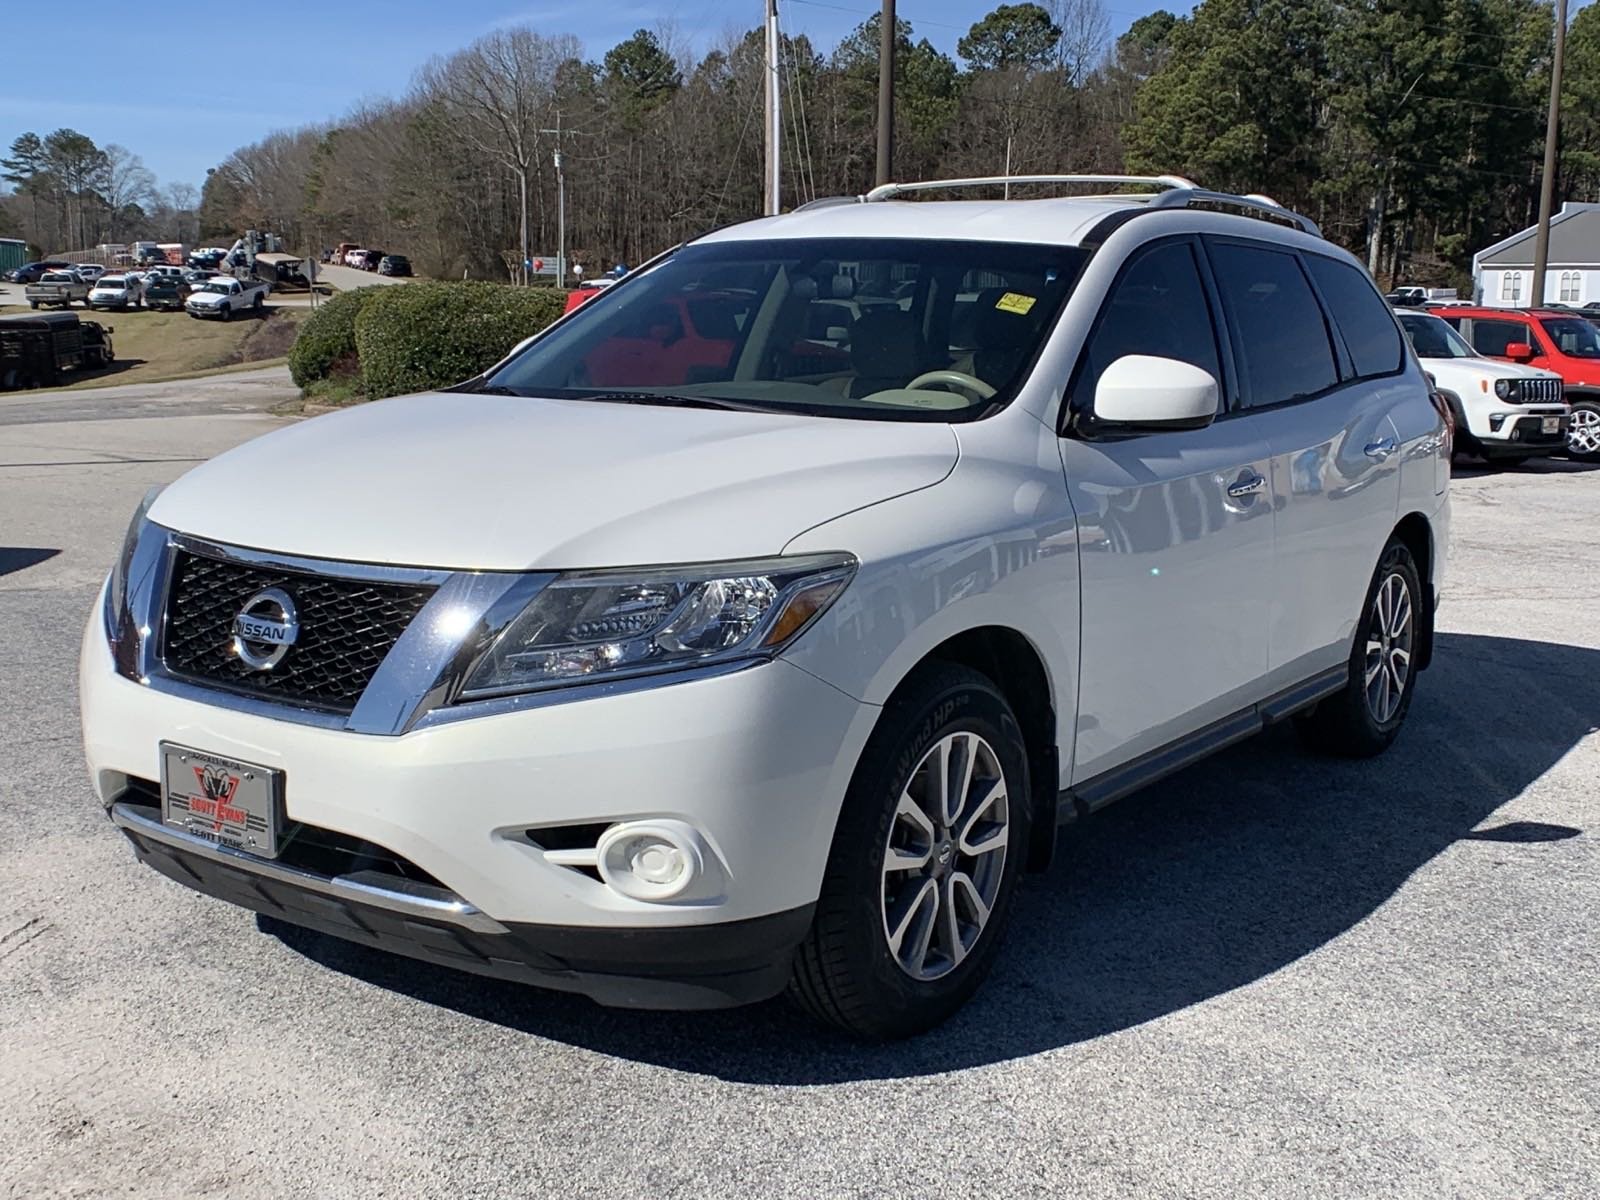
x=1519, y=351
x=1146, y=392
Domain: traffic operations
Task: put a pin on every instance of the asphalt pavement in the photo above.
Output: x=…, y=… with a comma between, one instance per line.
x=1271, y=976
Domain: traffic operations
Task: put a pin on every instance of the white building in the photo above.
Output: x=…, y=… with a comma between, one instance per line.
x=1502, y=275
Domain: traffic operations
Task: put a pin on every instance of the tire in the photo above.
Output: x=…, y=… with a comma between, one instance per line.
x=259, y=305
x=1583, y=432
x=1363, y=719
x=851, y=971
x=34, y=304
x=227, y=313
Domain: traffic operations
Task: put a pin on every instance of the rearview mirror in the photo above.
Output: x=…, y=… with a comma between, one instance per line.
x=1155, y=393
x=1520, y=351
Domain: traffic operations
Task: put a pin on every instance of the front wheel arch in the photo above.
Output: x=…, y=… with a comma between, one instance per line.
x=1016, y=668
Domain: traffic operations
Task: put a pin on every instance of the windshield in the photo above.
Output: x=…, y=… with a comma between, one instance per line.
x=221, y=289
x=1573, y=336
x=835, y=327
x=1433, y=338
x=111, y=281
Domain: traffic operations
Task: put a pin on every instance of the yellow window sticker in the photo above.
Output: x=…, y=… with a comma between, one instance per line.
x=1014, y=302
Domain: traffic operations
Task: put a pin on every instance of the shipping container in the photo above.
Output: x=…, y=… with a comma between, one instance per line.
x=13, y=254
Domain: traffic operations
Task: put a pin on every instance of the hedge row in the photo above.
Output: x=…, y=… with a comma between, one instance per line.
x=327, y=341
x=417, y=336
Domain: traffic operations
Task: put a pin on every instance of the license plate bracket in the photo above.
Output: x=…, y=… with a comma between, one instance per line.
x=237, y=805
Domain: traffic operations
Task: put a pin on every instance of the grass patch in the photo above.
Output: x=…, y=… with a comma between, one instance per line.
x=152, y=347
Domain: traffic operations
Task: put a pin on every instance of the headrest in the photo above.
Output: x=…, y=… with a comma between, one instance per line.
x=1004, y=320
x=841, y=287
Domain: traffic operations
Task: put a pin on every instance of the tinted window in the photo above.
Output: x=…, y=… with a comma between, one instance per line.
x=1574, y=336
x=1492, y=337
x=1277, y=324
x=1158, y=307
x=1363, y=317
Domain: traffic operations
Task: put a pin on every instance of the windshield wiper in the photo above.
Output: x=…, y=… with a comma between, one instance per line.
x=670, y=400
x=497, y=389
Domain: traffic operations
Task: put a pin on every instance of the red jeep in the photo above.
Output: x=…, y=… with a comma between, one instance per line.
x=1557, y=340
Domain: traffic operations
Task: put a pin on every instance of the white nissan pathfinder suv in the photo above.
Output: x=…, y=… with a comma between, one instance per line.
x=755, y=625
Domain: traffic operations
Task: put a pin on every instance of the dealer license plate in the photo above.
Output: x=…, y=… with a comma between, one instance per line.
x=1552, y=424
x=235, y=804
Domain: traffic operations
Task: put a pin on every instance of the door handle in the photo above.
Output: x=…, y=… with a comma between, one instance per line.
x=1382, y=448
x=1246, y=485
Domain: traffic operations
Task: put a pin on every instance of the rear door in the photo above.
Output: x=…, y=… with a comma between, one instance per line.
x=1174, y=531
x=1322, y=392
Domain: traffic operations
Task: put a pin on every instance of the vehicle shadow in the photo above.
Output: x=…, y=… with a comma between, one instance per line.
x=115, y=367
x=20, y=558
x=1478, y=468
x=1204, y=883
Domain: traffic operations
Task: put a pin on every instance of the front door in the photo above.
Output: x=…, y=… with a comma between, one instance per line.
x=1175, y=534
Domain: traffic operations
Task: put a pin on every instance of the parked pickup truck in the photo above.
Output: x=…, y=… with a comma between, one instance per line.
x=58, y=288
x=222, y=297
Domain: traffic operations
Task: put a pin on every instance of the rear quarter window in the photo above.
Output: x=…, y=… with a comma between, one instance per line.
x=1363, y=317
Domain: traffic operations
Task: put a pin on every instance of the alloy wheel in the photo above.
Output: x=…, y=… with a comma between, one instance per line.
x=1390, y=633
x=1583, y=431
x=945, y=857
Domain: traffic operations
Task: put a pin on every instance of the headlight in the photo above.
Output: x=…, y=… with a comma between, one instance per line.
x=1503, y=388
x=117, y=594
x=613, y=624
x=122, y=629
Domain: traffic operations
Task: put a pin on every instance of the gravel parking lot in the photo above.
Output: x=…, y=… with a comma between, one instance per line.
x=1270, y=976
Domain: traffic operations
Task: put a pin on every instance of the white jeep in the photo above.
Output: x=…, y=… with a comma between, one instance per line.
x=1503, y=411
x=685, y=657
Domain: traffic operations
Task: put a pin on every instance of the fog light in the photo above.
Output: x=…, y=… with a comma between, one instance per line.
x=1496, y=420
x=650, y=860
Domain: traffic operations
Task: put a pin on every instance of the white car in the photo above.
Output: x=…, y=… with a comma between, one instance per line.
x=355, y=258
x=117, y=291
x=89, y=272
x=1503, y=411
x=675, y=661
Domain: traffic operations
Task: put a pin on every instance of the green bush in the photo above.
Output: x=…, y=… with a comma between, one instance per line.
x=418, y=336
x=327, y=340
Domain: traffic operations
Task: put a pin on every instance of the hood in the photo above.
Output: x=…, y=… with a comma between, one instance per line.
x=470, y=481
x=1488, y=368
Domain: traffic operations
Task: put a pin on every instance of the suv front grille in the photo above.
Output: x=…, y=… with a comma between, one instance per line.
x=347, y=627
x=1539, y=391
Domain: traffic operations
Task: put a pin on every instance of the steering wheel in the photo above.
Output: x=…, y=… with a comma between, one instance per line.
x=959, y=379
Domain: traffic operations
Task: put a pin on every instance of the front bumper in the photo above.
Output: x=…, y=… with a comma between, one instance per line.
x=756, y=760
x=710, y=966
x=1522, y=434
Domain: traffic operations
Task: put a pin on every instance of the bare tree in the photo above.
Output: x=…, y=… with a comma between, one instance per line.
x=501, y=87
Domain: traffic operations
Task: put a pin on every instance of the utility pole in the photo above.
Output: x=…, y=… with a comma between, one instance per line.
x=770, y=207
x=886, y=33
x=561, y=207
x=1547, y=186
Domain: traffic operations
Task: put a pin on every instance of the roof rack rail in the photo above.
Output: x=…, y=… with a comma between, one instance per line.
x=1174, y=191
x=828, y=202
x=888, y=191
x=1253, y=205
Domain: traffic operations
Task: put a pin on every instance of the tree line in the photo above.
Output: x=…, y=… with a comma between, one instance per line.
x=1410, y=129
x=68, y=194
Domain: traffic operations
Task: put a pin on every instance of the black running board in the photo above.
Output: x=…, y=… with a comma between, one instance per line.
x=1083, y=798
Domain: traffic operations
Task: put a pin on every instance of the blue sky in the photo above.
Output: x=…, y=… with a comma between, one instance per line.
x=327, y=55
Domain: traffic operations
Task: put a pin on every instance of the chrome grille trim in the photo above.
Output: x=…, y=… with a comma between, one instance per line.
x=422, y=671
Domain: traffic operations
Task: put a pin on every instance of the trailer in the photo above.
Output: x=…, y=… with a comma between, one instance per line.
x=38, y=349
